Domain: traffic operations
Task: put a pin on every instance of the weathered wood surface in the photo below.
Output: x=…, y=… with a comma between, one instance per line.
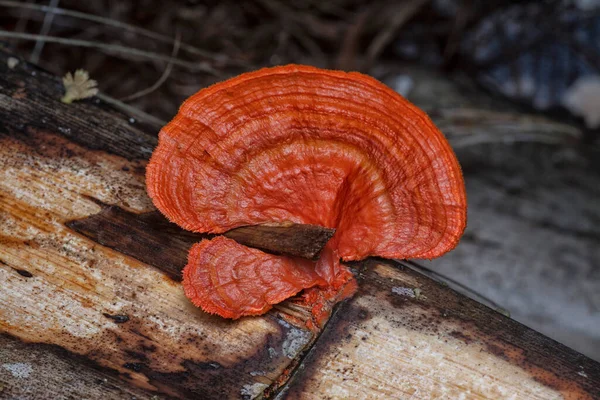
x=404, y=336
x=88, y=316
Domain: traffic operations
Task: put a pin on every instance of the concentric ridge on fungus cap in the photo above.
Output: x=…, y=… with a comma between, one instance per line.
x=313, y=146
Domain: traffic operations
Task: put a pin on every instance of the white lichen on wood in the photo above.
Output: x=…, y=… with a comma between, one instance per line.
x=295, y=340
x=18, y=370
x=253, y=391
x=403, y=291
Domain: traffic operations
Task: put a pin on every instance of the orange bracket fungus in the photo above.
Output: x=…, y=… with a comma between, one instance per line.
x=308, y=146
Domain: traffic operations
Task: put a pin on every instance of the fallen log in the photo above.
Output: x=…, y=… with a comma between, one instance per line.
x=91, y=306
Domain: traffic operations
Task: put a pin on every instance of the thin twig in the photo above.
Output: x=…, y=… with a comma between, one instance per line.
x=483, y=138
x=127, y=109
x=23, y=18
x=458, y=27
x=347, y=55
x=290, y=23
x=115, y=24
x=116, y=48
x=464, y=128
x=401, y=13
x=39, y=45
x=163, y=77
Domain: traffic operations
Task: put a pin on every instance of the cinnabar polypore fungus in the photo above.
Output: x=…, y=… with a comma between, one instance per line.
x=249, y=281
x=305, y=145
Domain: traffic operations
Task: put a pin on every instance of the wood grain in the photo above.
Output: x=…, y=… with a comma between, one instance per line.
x=81, y=312
x=405, y=336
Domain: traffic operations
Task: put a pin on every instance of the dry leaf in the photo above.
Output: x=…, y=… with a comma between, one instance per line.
x=78, y=86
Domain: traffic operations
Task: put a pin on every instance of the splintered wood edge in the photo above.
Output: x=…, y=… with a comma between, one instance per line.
x=298, y=240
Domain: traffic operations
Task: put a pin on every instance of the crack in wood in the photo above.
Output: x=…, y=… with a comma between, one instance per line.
x=279, y=387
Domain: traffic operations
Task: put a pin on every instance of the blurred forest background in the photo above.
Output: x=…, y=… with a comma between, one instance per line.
x=515, y=86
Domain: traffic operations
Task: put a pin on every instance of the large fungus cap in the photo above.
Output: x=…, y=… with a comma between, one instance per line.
x=306, y=145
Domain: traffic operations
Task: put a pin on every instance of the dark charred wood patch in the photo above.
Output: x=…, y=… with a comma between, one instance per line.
x=147, y=237
x=24, y=273
x=39, y=107
x=210, y=379
x=134, y=366
x=151, y=238
x=54, y=369
x=118, y=318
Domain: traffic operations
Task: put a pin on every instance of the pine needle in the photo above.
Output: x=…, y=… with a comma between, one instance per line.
x=113, y=48
x=115, y=24
x=163, y=77
x=39, y=45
